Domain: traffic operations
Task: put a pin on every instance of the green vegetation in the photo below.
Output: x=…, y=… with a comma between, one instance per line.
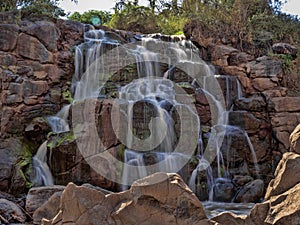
x=33, y=8
x=94, y=17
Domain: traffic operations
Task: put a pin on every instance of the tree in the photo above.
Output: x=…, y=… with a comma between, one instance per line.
x=94, y=17
x=34, y=8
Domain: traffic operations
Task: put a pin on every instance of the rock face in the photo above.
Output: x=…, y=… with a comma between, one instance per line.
x=287, y=175
x=158, y=199
x=295, y=140
x=36, y=65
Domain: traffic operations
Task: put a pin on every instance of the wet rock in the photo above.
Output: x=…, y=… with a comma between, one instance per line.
x=251, y=192
x=158, y=199
x=10, y=212
x=287, y=175
x=285, y=48
x=295, y=140
x=239, y=180
x=223, y=190
x=37, y=196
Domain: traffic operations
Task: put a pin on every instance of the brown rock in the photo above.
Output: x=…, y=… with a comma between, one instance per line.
x=221, y=54
x=264, y=67
x=30, y=47
x=263, y=84
x=8, y=37
x=251, y=192
x=285, y=208
x=37, y=196
x=48, y=210
x=258, y=214
x=285, y=48
x=158, y=199
x=286, y=104
x=34, y=88
x=287, y=175
x=45, y=32
x=295, y=140
x=229, y=218
x=7, y=59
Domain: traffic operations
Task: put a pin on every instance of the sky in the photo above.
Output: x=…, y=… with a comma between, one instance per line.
x=291, y=7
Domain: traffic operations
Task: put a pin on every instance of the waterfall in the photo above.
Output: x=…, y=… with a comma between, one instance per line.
x=59, y=122
x=43, y=176
x=155, y=87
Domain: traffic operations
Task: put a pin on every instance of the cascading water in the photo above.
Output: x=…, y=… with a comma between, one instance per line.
x=43, y=176
x=155, y=65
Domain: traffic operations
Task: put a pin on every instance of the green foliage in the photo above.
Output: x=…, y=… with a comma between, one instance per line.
x=67, y=96
x=34, y=8
x=94, y=17
x=171, y=24
x=41, y=8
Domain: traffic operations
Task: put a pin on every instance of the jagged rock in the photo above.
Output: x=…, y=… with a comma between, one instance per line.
x=157, y=199
x=264, y=67
x=10, y=212
x=285, y=208
x=285, y=48
x=229, y=218
x=48, y=210
x=295, y=140
x=258, y=214
x=35, y=50
x=287, y=175
x=251, y=192
x=37, y=196
x=8, y=37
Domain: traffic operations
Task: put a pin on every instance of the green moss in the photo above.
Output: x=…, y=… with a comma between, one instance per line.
x=56, y=140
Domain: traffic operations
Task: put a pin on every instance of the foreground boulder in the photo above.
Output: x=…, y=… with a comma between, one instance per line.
x=287, y=175
x=161, y=198
x=295, y=140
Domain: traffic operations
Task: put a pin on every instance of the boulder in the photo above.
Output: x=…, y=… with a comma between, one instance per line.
x=160, y=198
x=10, y=212
x=48, y=210
x=264, y=67
x=295, y=140
x=229, y=218
x=251, y=192
x=285, y=208
x=287, y=175
x=285, y=48
x=37, y=196
x=263, y=84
